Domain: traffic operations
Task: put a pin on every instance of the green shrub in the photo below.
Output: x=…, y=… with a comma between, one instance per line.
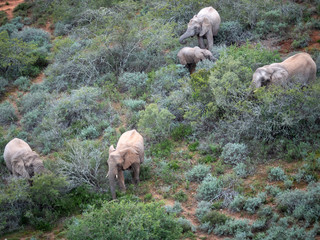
x=3, y=18
x=155, y=123
x=180, y=196
x=23, y=83
x=134, y=105
x=273, y=190
x=14, y=202
x=175, y=209
x=186, y=225
x=215, y=218
x=181, y=131
x=241, y=170
x=198, y=173
x=162, y=149
x=234, y=227
x=252, y=204
x=203, y=208
x=276, y=174
x=140, y=221
x=231, y=32
x=193, y=146
x=238, y=203
x=301, y=204
x=3, y=84
x=135, y=82
x=83, y=163
x=7, y=113
x=210, y=189
x=233, y=153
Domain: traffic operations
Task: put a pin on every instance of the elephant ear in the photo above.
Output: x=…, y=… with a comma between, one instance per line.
x=199, y=55
x=130, y=156
x=18, y=167
x=111, y=149
x=205, y=27
x=279, y=76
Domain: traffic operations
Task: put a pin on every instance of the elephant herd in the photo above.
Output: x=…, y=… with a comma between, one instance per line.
x=129, y=152
x=128, y=155
x=299, y=68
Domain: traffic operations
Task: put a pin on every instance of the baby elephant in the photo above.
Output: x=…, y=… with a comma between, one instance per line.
x=299, y=68
x=129, y=154
x=191, y=56
x=21, y=160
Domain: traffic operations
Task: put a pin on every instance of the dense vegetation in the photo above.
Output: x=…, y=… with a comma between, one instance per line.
x=111, y=66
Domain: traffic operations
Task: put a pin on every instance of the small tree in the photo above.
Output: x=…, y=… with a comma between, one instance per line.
x=155, y=123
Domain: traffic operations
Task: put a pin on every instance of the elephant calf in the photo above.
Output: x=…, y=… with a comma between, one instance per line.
x=191, y=56
x=21, y=160
x=299, y=68
x=129, y=154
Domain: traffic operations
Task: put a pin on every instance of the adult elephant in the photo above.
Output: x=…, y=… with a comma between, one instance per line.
x=129, y=154
x=299, y=68
x=21, y=160
x=191, y=56
x=204, y=25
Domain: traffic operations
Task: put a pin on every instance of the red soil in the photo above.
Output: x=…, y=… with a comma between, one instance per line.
x=8, y=8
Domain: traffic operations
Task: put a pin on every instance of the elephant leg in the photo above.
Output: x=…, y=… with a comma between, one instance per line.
x=201, y=42
x=136, y=173
x=121, y=181
x=210, y=40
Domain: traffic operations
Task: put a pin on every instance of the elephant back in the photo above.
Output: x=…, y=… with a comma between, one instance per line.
x=131, y=139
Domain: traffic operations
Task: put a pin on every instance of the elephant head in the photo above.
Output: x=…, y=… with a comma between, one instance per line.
x=197, y=26
x=120, y=160
x=269, y=74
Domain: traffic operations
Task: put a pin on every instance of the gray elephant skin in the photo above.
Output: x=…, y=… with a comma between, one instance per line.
x=21, y=160
x=129, y=154
x=204, y=25
x=191, y=56
x=299, y=68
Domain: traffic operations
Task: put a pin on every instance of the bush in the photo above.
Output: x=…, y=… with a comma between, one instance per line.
x=7, y=113
x=241, y=170
x=14, y=202
x=181, y=131
x=69, y=115
x=300, y=204
x=231, y=32
x=83, y=163
x=210, y=189
x=162, y=149
x=198, y=173
x=155, y=123
x=186, y=225
x=234, y=227
x=135, y=83
x=175, y=209
x=134, y=105
x=238, y=203
x=23, y=83
x=35, y=35
x=3, y=84
x=140, y=221
x=215, y=218
x=180, y=196
x=276, y=174
x=233, y=153
x=252, y=204
x=203, y=208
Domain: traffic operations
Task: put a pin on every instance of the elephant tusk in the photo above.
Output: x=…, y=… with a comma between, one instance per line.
x=107, y=175
x=116, y=176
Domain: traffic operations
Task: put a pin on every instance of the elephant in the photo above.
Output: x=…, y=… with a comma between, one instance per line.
x=129, y=154
x=21, y=160
x=204, y=25
x=299, y=68
x=191, y=56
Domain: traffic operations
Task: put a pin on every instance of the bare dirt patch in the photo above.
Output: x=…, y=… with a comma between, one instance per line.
x=8, y=6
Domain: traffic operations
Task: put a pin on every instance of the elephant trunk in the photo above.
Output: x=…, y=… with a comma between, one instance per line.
x=112, y=181
x=38, y=167
x=187, y=34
